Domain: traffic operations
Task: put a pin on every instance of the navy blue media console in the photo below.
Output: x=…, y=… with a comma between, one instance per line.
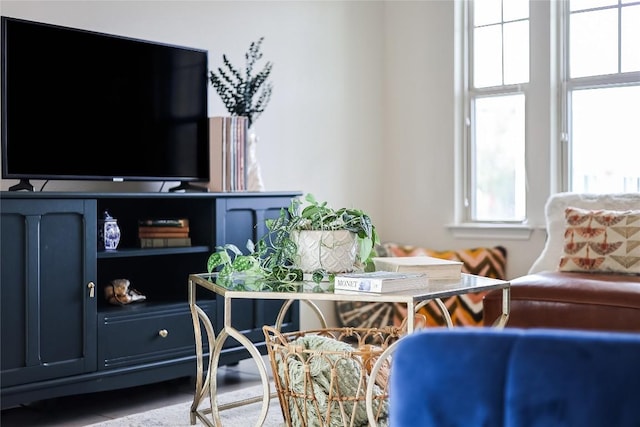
x=59, y=334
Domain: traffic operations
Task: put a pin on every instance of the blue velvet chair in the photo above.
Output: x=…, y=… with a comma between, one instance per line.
x=472, y=377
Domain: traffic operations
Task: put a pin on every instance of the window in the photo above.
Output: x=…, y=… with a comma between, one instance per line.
x=551, y=87
x=602, y=95
x=497, y=93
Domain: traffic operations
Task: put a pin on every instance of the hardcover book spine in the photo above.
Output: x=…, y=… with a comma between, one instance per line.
x=227, y=146
x=162, y=234
x=169, y=222
x=217, y=154
x=358, y=285
x=164, y=242
x=162, y=229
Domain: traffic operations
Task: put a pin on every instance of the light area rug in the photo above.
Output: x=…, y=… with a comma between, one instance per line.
x=178, y=415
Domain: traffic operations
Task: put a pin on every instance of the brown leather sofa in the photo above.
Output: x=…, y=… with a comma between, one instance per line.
x=549, y=298
x=554, y=299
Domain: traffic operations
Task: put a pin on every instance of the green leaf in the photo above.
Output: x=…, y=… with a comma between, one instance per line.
x=318, y=275
x=245, y=263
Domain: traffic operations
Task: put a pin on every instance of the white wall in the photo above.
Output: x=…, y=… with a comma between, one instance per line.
x=420, y=135
x=362, y=112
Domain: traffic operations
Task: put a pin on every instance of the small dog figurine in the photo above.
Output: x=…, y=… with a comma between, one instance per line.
x=118, y=292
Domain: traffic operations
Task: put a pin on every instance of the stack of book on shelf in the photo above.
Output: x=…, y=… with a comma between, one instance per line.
x=164, y=233
x=227, y=153
x=434, y=268
x=379, y=282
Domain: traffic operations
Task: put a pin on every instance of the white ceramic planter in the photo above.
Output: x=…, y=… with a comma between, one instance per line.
x=334, y=251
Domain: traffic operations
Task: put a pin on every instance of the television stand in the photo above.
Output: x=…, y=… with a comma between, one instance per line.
x=24, y=184
x=188, y=188
x=47, y=355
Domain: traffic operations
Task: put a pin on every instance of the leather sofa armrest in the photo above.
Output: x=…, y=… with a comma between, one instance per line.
x=552, y=299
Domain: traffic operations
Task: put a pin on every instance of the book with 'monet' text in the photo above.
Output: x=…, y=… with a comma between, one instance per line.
x=380, y=281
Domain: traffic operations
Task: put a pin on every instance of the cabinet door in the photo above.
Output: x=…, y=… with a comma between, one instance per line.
x=243, y=219
x=48, y=305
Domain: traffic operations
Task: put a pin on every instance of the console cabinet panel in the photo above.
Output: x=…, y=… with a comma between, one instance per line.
x=48, y=267
x=244, y=220
x=60, y=335
x=138, y=335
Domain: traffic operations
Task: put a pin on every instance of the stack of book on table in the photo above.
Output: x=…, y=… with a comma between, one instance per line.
x=164, y=233
x=379, y=282
x=434, y=268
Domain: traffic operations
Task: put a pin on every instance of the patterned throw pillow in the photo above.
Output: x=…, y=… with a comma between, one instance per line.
x=601, y=241
x=465, y=310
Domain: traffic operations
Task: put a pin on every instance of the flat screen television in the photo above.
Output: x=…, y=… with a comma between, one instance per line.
x=83, y=105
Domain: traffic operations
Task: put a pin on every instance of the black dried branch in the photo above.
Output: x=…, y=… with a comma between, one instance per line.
x=248, y=94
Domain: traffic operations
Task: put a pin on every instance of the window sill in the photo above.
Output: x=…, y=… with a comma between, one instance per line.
x=491, y=231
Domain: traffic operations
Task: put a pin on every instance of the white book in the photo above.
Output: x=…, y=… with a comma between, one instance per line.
x=434, y=268
x=380, y=282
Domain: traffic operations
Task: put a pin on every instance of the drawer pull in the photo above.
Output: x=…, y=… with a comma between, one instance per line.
x=163, y=333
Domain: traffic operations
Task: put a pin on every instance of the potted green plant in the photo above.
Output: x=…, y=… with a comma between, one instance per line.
x=279, y=258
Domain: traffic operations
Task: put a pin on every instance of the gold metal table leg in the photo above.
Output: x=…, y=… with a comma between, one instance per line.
x=411, y=310
x=206, y=385
x=262, y=369
x=285, y=308
x=201, y=383
x=501, y=321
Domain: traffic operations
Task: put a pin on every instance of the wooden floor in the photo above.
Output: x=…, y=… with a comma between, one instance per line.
x=81, y=410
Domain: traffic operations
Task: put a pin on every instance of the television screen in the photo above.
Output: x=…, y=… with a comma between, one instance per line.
x=83, y=105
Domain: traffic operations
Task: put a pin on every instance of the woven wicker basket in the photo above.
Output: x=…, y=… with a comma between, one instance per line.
x=321, y=375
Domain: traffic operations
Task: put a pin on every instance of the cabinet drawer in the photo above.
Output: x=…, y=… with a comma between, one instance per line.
x=135, y=336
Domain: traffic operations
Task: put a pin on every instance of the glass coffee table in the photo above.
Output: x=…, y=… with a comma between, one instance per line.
x=307, y=293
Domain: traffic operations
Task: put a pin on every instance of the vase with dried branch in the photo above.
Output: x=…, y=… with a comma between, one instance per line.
x=246, y=93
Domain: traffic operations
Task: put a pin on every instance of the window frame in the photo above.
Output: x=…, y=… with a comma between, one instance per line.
x=569, y=85
x=547, y=143
x=470, y=95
